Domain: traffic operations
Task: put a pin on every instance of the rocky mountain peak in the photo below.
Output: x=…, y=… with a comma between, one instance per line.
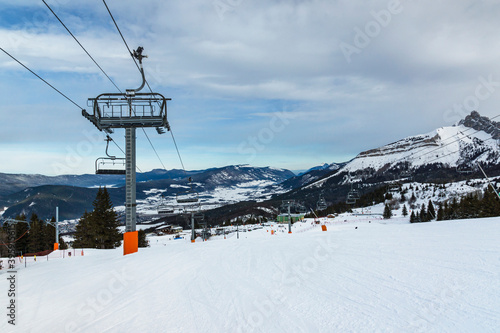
x=479, y=123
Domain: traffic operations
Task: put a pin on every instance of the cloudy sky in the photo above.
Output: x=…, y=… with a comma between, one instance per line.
x=289, y=84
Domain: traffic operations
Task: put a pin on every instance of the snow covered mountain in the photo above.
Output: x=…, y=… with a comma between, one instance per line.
x=309, y=176
x=12, y=183
x=216, y=187
x=319, y=167
x=456, y=148
x=445, y=155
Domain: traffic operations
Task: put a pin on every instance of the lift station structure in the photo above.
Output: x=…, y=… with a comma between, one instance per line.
x=130, y=110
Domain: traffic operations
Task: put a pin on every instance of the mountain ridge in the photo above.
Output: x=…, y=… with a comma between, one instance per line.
x=444, y=154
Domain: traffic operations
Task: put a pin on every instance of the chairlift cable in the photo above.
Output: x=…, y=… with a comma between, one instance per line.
x=119, y=31
x=453, y=152
x=69, y=99
x=488, y=179
x=95, y=62
x=178, y=153
x=38, y=76
x=124, y=41
x=124, y=152
x=137, y=65
x=92, y=58
x=154, y=149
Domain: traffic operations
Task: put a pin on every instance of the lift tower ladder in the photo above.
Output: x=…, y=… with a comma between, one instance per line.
x=130, y=110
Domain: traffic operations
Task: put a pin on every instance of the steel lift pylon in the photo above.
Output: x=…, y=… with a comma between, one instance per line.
x=130, y=110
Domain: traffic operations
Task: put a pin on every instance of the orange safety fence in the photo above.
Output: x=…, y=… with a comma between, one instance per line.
x=39, y=257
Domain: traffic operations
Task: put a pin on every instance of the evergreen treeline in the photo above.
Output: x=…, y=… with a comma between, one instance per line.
x=475, y=205
x=39, y=236
x=99, y=228
x=471, y=206
x=425, y=214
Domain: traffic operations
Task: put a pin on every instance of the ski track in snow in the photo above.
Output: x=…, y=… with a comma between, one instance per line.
x=385, y=276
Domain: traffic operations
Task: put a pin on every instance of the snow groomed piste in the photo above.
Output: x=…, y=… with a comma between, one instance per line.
x=362, y=275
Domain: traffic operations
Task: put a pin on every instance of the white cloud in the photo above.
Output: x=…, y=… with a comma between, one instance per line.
x=261, y=53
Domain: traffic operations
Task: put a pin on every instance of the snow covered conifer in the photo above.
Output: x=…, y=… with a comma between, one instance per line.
x=387, y=212
x=62, y=244
x=405, y=211
x=440, y=212
x=423, y=214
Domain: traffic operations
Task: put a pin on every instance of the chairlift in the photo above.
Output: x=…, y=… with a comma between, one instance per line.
x=350, y=200
x=354, y=194
x=110, y=165
x=394, y=187
x=406, y=174
x=321, y=205
x=164, y=209
x=301, y=209
x=465, y=168
x=189, y=196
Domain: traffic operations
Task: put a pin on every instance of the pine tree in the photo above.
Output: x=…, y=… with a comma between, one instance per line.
x=454, y=212
x=49, y=235
x=99, y=228
x=446, y=211
x=22, y=231
x=85, y=232
x=143, y=242
x=106, y=219
x=62, y=244
x=423, y=214
x=489, y=203
x=440, y=213
x=412, y=217
x=405, y=211
x=36, y=239
x=412, y=200
x=387, y=212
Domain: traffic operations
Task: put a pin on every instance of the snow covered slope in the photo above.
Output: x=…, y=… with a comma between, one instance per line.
x=384, y=276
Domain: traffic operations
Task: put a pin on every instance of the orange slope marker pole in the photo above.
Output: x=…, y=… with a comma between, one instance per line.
x=130, y=242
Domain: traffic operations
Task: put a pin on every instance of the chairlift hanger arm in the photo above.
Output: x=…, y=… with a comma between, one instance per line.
x=137, y=54
x=108, y=139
